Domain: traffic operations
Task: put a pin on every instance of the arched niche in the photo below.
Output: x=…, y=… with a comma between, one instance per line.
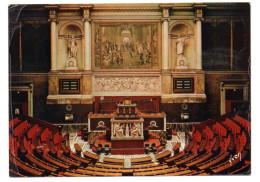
x=66, y=32
x=182, y=58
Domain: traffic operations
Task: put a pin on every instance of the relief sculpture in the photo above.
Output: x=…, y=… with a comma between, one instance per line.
x=127, y=130
x=127, y=84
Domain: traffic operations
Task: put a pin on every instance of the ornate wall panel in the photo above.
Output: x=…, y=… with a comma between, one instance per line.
x=126, y=45
x=127, y=84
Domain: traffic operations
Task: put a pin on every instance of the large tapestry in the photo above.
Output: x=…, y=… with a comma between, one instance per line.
x=126, y=45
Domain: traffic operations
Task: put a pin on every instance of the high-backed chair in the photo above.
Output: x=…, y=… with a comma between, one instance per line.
x=162, y=143
x=99, y=149
x=92, y=142
x=146, y=148
x=107, y=149
x=154, y=148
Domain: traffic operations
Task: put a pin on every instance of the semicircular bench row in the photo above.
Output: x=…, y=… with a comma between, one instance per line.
x=37, y=148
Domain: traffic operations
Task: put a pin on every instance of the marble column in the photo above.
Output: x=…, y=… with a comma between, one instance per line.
x=165, y=42
x=53, y=46
x=87, y=28
x=199, y=44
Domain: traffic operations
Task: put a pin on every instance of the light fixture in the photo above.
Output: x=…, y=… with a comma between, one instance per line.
x=185, y=116
x=68, y=117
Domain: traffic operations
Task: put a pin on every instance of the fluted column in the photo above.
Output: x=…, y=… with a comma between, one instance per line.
x=165, y=42
x=199, y=44
x=87, y=31
x=198, y=19
x=53, y=46
x=87, y=28
x=53, y=19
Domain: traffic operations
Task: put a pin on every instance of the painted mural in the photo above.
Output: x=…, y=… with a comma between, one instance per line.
x=126, y=46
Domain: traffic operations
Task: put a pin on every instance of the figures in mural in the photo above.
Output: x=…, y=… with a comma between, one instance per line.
x=126, y=49
x=73, y=47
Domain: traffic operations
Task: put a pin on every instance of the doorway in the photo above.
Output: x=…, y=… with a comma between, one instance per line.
x=234, y=96
x=21, y=100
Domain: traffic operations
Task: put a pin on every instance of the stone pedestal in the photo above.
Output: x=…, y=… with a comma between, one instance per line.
x=72, y=64
x=181, y=62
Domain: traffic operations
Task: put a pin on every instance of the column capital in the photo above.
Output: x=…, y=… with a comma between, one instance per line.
x=53, y=20
x=198, y=7
x=165, y=9
x=86, y=19
x=198, y=19
x=165, y=19
x=86, y=9
x=52, y=12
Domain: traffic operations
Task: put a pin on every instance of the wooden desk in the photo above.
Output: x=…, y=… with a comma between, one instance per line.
x=94, y=119
x=160, y=157
x=141, y=160
x=93, y=157
x=77, y=148
x=171, y=159
x=176, y=148
x=111, y=160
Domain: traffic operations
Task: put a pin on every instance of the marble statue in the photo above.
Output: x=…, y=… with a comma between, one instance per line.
x=180, y=45
x=73, y=47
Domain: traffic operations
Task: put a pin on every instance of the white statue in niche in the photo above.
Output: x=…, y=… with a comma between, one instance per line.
x=180, y=45
x=73, y=47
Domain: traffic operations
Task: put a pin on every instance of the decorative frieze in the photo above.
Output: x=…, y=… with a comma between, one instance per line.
x=69, y=99
x=127, y=84
x=184, y=98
